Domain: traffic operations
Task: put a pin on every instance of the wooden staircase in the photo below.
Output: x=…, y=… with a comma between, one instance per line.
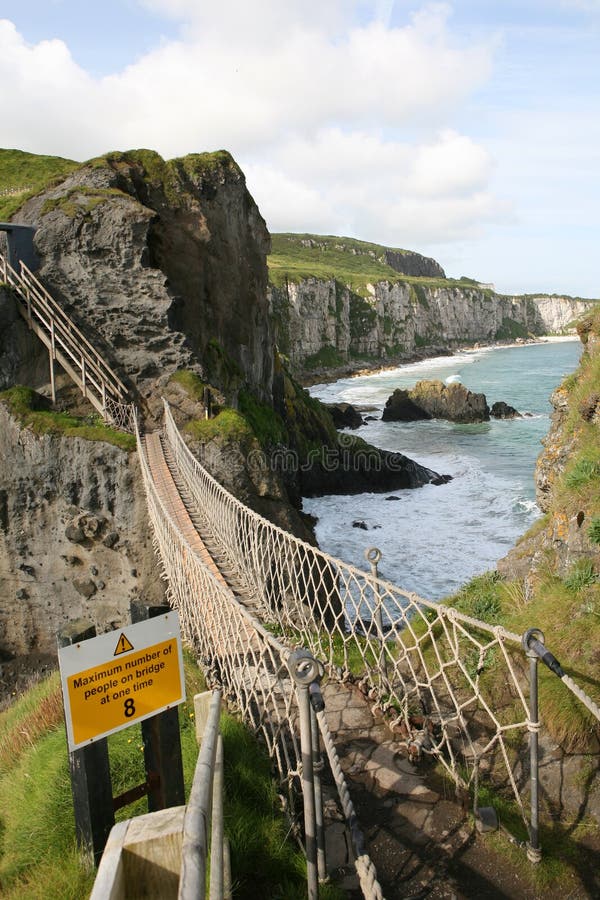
x=67, y=345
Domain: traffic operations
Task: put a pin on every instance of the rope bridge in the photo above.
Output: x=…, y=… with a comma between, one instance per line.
x=453, y=687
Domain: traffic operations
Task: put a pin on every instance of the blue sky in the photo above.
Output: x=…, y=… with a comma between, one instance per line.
x=469, y=131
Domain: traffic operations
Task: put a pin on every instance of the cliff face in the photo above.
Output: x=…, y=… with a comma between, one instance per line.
x=74, y=540
x=156, y=260
x=567, y=539
x=322, y=322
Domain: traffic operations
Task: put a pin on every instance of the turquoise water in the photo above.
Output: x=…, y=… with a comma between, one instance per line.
x=434, y=539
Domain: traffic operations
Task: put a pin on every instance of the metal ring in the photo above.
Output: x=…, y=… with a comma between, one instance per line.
x=303, y=667
x=373, y=555
x=535, y=633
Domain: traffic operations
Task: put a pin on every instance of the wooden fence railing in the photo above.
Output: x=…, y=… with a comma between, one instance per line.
x=66, y=344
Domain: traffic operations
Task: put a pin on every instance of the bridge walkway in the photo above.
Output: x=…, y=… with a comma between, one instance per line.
x=412, y=830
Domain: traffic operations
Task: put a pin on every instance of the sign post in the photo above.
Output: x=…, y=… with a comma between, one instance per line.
x=162, y=744
x=90, y=775
x=110, y=682
x=121, y=677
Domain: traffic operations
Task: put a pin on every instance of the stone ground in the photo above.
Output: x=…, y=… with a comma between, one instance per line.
x=422, y=840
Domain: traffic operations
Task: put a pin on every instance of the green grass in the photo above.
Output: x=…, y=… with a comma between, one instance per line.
x=580, y=576
x=326, y=358
x=265, y=423
x=32, y=410
x=81, y=200
x=351, y=262
x=31, y=171
x=510, y=330
x=582, y=471
x=228, y=426
x=39, y=859
x=190, y=382
x=594, y=530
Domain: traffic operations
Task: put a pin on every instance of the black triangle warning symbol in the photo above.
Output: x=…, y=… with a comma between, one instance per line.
x=123, y=645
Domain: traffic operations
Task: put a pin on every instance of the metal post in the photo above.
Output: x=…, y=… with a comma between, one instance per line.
x=534, y=851
x=196, y=825
x=217, y=856
x=317, y=705
x=373, y=555
x=304, y=670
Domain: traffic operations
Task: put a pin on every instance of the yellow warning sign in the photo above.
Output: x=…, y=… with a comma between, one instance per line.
x=117, y=693
x=124, y=645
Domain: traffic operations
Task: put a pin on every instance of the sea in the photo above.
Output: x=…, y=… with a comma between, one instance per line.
x=436, y=538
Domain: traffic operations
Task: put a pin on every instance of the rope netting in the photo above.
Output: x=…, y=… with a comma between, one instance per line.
x=453, y=687
x=120, y=415
x=237, y=653
x=434, y=670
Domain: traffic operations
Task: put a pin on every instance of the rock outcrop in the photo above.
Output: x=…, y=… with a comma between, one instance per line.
x=436, y=400
x=156, y=260
x=566, y=537
x=344, y=415
x=502, y=410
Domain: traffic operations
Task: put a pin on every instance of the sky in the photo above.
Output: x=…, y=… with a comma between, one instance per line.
x=468, y=131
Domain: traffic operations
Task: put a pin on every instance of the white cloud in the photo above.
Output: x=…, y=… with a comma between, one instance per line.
x=340, y=121
x=382, y=190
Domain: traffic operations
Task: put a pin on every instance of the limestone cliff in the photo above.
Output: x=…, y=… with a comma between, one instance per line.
x=337, y=301
x=74, y=541
x=322, y=323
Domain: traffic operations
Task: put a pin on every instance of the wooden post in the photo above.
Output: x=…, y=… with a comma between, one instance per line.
x=90, y=774
x=161, y=738
x=52, y=358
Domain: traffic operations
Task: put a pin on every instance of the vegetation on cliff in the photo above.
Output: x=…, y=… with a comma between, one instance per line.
x=39, y=858
x=22, y=175
x=34, y=411
x=298, y=257
x=551, y=579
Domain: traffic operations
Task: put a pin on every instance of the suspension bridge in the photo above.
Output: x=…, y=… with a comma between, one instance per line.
x=405, y=678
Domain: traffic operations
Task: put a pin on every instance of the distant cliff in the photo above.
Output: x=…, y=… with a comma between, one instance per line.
x=334, y=302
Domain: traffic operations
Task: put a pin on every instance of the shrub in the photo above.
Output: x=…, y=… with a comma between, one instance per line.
x=582, y=472
x=580, y=575
x=594, y=530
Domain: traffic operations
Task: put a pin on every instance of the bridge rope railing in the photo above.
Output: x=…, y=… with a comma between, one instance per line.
x=237, y=654
x=427, y=665
x=455, y=687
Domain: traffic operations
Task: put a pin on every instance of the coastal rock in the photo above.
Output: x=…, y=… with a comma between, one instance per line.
x=502, y=410
x=88, y=489
x=323, y=325
x=436, y=400
x=344, y=415
x=400, y=407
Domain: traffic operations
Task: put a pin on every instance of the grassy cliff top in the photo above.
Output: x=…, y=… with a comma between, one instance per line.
x=24, y=174
x=296, y=257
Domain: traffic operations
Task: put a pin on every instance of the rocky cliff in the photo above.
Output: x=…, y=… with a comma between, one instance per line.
x=321, y=323
x=74, y=541
x=155, y=260
x=163, y=266
x=567, y=539
x=337, y=305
